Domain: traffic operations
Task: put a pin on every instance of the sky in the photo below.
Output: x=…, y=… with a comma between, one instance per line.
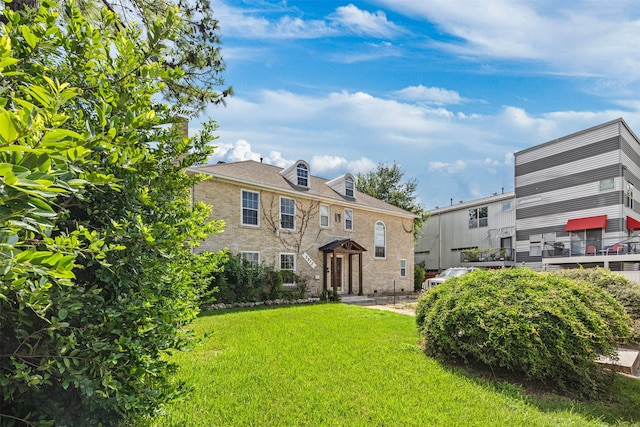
x=448, y=89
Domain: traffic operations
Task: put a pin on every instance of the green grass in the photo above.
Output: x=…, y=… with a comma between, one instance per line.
x=339, y=365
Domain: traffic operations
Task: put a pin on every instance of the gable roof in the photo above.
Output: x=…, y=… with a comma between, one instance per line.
x=266, y=176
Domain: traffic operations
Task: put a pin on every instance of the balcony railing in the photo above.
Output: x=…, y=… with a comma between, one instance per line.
x=486, y=255
x=590, y=247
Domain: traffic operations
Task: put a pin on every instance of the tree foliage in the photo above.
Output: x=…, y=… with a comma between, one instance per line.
x=195, y=48
x=385, y=183
x=97, y=276
x=538, y=325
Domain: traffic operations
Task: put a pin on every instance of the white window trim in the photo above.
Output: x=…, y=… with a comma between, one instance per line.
x=306, y=169
x=242, y=224
x=287, y=269
x=328, y=216
x=385, y=240
x=403, y=261
x=345, y=220
x=251, y=252
x=294, y=213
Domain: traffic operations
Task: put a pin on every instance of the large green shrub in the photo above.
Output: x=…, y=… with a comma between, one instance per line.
x=542, y=326
x=626, y=292
x=97, y=274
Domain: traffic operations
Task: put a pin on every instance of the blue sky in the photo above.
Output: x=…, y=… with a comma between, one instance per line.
x=448, y=89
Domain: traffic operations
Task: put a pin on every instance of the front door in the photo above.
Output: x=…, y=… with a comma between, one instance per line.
x=338, y=276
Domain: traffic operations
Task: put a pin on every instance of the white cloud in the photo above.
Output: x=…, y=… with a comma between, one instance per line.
x=580, y=38
x=288, y=23
x=362, y=22
x=430, y=95
x=454, y=167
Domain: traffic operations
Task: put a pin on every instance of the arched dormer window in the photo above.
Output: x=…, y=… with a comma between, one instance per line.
x=380, y=240
x=349, y=186
x=302, y=173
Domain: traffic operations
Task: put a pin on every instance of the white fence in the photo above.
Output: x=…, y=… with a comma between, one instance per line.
x=634, y=276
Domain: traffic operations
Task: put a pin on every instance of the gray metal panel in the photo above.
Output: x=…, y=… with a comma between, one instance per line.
x=578, y=204
x=600, y=147
x=568, y=181
x=577, y=139
x=614, y=225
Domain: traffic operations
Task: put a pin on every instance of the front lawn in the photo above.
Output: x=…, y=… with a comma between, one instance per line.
x=339, y=365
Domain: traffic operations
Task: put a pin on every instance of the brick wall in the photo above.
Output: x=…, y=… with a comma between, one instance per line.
x=270, y=241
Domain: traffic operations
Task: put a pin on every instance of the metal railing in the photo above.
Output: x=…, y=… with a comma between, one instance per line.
x=486, y=255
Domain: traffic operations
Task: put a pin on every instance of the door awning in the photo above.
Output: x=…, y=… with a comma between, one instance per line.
x=586, y=223
x=632, y=224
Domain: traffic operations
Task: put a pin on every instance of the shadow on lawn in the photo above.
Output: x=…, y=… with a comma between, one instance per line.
x=620, y=406
x=207, y=313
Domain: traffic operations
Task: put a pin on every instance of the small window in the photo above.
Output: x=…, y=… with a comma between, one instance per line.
x=628, y=196
x=549, y=237
x=403, y=268
x=250, y=208
x=535, y=244
x=303, y=175
x=287, y=214
x=348, y=219
x=506, y=206
x=253, y=258
x=324, y=216
x=337, y=217
x=479, y=217
x=380, y=240
x=349, y=188
x=607, y=184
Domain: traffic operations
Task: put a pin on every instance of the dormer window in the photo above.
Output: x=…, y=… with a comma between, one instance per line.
x=349, y=187
x=298, y=175
x=303, y=175
x=344, y=185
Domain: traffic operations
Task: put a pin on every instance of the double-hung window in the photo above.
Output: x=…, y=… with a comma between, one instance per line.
x=324, y=216
x=302, y=174
x=380, y=240
x=288, y=268
x=287, y=213
x=253, y=258
x=479, y=217
x=403, y=268
x=250, y=208
x=348, y=219
x=349, y=187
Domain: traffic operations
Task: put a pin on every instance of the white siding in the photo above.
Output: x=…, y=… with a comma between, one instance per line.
x=579, y=139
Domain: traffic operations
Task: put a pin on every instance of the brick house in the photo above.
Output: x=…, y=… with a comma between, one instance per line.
x=324, y=230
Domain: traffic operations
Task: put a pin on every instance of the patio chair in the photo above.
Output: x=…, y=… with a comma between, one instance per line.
x=618, y=248
x=591, y=250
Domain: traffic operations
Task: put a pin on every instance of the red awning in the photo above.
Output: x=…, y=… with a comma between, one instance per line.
x=587, y=223
x=632, y=224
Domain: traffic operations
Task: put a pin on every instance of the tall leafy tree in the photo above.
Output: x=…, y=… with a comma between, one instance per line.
x=195, y=48
x=97, y=274
x=385, y=183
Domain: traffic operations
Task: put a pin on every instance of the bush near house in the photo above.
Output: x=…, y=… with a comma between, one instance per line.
x=240, y=281
x=543, y=326
x=626, y=292
x=419, y=274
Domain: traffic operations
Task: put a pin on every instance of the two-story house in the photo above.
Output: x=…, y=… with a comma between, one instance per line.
x=325, y=230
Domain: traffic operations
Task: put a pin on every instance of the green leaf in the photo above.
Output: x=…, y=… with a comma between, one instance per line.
x=8, y=129
x=62, y=314
x=29, y=37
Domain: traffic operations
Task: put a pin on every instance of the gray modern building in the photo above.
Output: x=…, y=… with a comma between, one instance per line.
x=574, y=203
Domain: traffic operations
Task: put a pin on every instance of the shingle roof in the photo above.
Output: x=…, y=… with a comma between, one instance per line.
x=268, y=176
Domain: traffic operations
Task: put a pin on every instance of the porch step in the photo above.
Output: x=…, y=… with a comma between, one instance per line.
x=628, y=362
x=357, y=300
